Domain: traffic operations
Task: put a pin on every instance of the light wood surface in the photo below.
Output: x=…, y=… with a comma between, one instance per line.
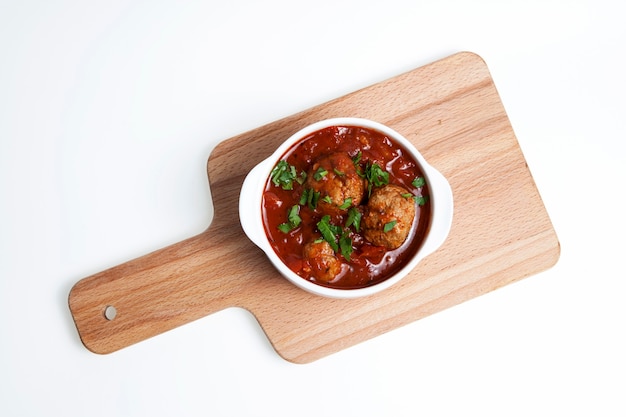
x=501, y=233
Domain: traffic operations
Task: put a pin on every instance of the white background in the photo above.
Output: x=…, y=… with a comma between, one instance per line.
x=109, y=111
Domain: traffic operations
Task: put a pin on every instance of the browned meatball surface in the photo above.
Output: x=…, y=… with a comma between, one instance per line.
x=335, y=178
x=388, y=217
x=321, y=259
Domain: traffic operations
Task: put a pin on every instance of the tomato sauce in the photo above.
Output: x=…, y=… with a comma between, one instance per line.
x=368, y=264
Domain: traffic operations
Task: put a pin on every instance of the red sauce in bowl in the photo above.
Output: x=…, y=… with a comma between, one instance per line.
x=297, y=213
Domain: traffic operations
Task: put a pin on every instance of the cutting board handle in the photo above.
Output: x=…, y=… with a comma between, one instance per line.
x=156, y=292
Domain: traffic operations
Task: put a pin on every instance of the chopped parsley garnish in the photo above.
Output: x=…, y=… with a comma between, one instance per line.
x=420, y=200
x=285, y=227
x=304, y=198
x=327, y=199
x=294, y=220
x=345, y=243
x=329, y=232
x=294, y=216
x=375, y=176
x=310, y=198
x=356, y=160
x=388, y=226
x=347, y=203
x=418, y=182
x=320, y=173
x=302, y=178
x=337, y=237
x=283, y=175
x=354, y=218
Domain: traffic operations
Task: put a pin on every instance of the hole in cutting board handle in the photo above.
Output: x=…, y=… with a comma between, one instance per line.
x=110, y=312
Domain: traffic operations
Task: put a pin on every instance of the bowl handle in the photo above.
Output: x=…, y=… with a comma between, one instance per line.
x=249, y=205
x=442, y=207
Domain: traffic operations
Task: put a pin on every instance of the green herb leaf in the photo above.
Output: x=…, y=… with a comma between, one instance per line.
x=294, y=216
x=285, y=227
x=327, y=199
x=345, y=243
x=356, y=160
x=340, y=173
x=320, y=173
x=407, y=195
x=347, y=203
x=312, y=199
x=294, y=220
x=376, y=176
x=418, y=182
x=328, y=232
x=333, y=234
x=304, y=198
x=283, y=175
x=354, y=218
x=389, y=226
x=302, y=178
x=421, y=200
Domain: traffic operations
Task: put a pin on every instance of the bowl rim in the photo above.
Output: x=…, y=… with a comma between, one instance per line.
x=251, y=200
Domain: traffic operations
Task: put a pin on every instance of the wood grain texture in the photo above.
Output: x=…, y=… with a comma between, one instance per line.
x=501, y=233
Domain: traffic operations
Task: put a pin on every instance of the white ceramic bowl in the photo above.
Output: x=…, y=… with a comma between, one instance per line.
x=251, y=200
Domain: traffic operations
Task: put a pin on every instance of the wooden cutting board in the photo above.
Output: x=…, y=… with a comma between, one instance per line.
x=501, y=233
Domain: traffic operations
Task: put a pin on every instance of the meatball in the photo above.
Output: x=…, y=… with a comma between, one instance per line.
x=321, y=260
x=388, y=217
x=335, y=178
